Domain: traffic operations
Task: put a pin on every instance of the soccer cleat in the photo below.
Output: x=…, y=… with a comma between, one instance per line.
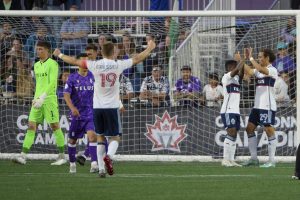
x=108, y=165
x=251, y=162
x=227, y=163
x=72, y=168
x=94, y=167
x=295, y=177
x=20, y=159
x=60, y=160
x=267, y=165
x=234, y=164
x=102, y=173
x=81, y=159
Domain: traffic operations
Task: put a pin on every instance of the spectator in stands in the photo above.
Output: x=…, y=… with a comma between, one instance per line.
x=17, y=53
x=163, y=56
x=61, y=84
x=56, y=21
x=7, y=35
x=126, y=89
x=41, y=34
x=71, y=3
x=213, y=92
x=91, y=51
x=188, y=88
x=152, y=60
x=155, y=88
x=285, y=63
x=31, y=24
x=10, y=5
x=106, y=37
x=74, y=34
x=287, y=33
x=281, y=90
x=9, y=75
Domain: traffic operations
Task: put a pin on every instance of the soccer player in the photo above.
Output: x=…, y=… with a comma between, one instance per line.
x=44, y=104
x=78, y=94
x=230, y=110
x=263, y=113
x=106, y=100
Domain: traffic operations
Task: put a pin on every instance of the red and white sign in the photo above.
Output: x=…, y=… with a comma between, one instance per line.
x=165, y=133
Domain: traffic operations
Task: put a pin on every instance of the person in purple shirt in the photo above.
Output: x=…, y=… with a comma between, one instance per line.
x=78, y=94
x=188, y=88
x=285, y=63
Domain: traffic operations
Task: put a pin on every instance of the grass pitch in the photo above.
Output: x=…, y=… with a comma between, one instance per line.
x=147, y=180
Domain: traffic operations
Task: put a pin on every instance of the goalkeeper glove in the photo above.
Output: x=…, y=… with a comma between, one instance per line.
x=37, y=103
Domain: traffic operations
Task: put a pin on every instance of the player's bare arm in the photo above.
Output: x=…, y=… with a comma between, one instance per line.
x=69, y=103
x=257, y=66
x=69, y=59
x=143, y=55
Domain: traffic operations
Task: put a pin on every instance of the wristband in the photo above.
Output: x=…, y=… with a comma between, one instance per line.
x=60, y=55
x=251, y=59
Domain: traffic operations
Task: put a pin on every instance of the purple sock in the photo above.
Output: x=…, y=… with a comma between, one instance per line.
x=87, y=150
x=93, y=151
x=72, y=152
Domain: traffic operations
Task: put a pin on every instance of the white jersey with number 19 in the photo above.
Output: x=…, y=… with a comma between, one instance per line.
x=107, y=86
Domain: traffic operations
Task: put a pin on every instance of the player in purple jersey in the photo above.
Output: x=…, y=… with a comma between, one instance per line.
x=78, y=94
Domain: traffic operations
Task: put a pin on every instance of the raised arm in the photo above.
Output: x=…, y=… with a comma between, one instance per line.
x=143, y=55
x=257, y=66
x=240, y=68
x=69, y=59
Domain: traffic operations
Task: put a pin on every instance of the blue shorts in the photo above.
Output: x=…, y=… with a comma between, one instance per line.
x=107, y=121
x=231, y=120
x=79, y=127
x=262, y=117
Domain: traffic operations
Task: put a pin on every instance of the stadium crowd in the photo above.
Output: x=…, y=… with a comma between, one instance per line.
x=147, y=83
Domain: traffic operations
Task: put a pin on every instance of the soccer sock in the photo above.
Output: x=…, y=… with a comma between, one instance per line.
x=93, y=151
x=272, y=148
x=100, y=154
x=229, y=147
x=297, y=167
x=252, y=143
x=28, y=141
x=60, y=140
x=112, y=148
x=87, y=149
x=72, y=152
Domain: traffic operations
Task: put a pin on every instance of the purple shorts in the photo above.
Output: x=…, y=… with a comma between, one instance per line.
x=79, y=127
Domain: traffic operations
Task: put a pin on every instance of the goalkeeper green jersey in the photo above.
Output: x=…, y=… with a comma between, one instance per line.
x=46, y=75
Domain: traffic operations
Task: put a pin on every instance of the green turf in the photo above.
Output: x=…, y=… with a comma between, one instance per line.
x=147, y=180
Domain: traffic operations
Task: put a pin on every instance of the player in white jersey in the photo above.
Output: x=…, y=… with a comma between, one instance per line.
x=230, y=110
x=106, y=100
x=263, y=112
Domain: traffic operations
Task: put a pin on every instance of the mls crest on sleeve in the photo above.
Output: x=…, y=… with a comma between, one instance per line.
x=165, y=133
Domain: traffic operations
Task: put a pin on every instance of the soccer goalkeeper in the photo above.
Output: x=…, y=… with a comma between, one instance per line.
x=44, y=104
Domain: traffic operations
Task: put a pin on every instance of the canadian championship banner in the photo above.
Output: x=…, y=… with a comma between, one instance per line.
x=182, y=130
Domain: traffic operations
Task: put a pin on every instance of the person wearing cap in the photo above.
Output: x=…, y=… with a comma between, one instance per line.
x=285, y=63
x=155, y=88
x=213, y=92
x=188, y=87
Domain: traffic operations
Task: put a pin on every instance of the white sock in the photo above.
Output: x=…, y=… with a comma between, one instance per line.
x=272, y=148
x=112, y=148
x=252, y=143
x=229, y=148
x=100, y=156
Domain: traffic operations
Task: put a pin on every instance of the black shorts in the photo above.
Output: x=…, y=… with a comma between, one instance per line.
x=107, y=121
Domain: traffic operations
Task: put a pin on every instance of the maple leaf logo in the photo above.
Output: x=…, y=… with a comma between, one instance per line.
x=165, y=133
